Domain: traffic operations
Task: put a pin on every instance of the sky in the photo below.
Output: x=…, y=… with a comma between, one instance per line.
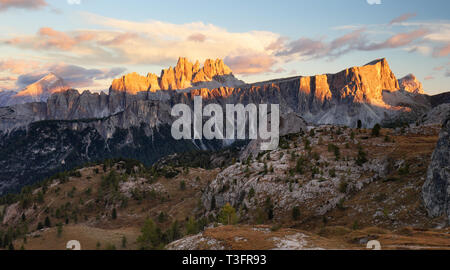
x=90, y=42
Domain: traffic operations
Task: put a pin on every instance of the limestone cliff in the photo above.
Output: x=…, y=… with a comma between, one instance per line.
x=183, y=76
x=130, y=120
x=436, y=191
x=410, y=84
x=368, y=93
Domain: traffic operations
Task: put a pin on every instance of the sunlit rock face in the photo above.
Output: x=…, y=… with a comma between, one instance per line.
x=410, y=84
x=133, y=120
x=369, y=93
x=38, y=91
x=184, y=75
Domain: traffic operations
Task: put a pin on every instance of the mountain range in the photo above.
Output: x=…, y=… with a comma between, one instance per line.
x=68, y=128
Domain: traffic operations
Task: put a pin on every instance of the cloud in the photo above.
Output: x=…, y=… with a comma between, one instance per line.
x=430, y=77
x=304, y=47
x=279, y=70
x=439, y=68
x=22, y=4
x=143, y=43
x=422, y=49
x=374, y=2
x=161, y=43
x=250, y=64
x=27, y=79
x=198, y=37
x=75, y=76
x=25, y=72
x=8, y=78
x=398, y=40
x=403, y=18
x=74, y=2
x=442, y=51
x=47, y=38
x=447, y=73
x=15, y=66
x=357, y=40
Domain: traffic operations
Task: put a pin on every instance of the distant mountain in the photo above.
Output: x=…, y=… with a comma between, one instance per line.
x=38, y=91
x=5, y=97
x=410, y=84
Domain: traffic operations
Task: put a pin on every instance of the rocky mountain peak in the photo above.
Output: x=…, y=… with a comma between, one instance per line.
x=40, y=90
x=410, y=84
x=184, y=75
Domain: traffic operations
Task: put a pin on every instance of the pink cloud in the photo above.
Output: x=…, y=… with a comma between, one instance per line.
x=198, y=37
x=119, y=39
x=403, y=18
x=279, y=70
x=49, y=38
x=18, y=66
x=398, y=40
x=250, y=64
x=442, y=51
x=23, y=4
x=427, y=78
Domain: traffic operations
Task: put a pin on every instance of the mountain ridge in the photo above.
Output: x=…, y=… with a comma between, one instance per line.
x=131, y=124
x=185, y=75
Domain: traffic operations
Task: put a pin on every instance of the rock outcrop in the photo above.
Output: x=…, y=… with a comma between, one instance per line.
x=410, y=84
x=435, y=116
x=133, y=83
x=185, y=75
x=436, y=191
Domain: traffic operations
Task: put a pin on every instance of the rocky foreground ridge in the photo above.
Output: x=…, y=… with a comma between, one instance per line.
x=436, y=191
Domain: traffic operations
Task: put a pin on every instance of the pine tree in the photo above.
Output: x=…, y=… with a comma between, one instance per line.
x=150, y=237
x=295, y=213
x=213, y=203
x=191, y=226
x=124, y=242
x=359, y=124
x=228, y=215
x=59, y=229
x=376, y=130
x=47, y=222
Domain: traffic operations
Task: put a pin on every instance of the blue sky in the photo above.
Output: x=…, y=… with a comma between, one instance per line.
x=94, y=41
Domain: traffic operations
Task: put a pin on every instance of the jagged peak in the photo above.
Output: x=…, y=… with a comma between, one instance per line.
x=48, y=84
x=184, y=75
x=411, y=84
x=374, y=62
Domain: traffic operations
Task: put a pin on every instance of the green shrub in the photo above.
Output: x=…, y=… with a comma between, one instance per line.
x=361, y=158
x=376, y=130
x=343, y=185
x=295, y=213
x=182, y=185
